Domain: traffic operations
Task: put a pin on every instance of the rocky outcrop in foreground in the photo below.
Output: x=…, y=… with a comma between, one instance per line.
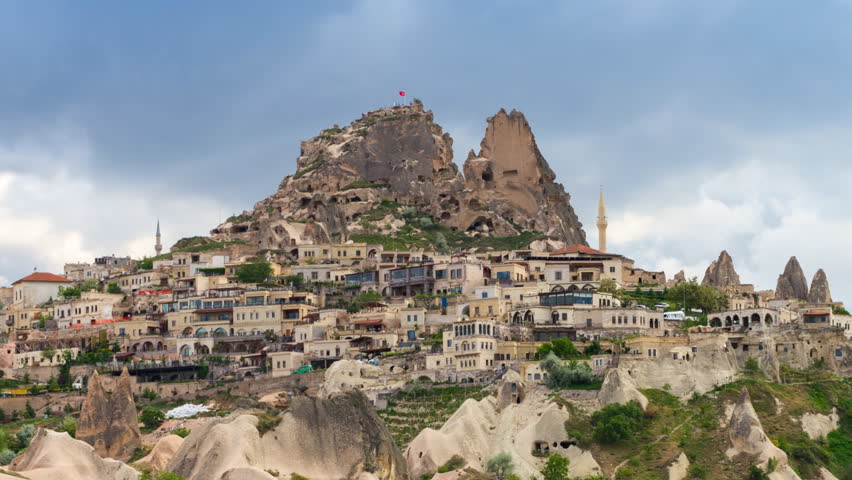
x=109, y=422
x=360, y=178
x=792, y=284
x=52, y=455
x=162, y=453
x=721, y=272
x=819, y=292
x=478, y=430
x=322, y=439
x=746, y=436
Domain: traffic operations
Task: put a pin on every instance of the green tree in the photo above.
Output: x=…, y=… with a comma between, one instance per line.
x=756, y=473
x=29, y=411
x=6, y=456
x=593, y=348
x=561, y=347
x=296, y=280
x=556, y=468
x=608, y=285
x=705, y=297
x=112, y=287
x=48, y=354
x=69, y=424
x=89, y=285
x=255, y=272
x=151, y=417
x=617, y=422
x=64, y=379
x=69, y=292
x=500, y=465
x=440, y=243
x=560, y=376
x=25, y=434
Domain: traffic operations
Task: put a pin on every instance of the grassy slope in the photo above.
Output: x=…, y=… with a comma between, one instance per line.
x=694, y=428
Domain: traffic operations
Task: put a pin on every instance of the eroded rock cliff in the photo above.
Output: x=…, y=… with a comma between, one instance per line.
x=362, y=177
x=108, y=422
x=322, y=439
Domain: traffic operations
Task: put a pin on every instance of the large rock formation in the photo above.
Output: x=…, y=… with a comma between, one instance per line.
x=360, y=179
x=108, y=422
x=511, y=180
x=337, y=438
x=618, y=387
x=53, y=455
x=721, y=272
x=746, y=436
x=478, y=430
x=792, y=284
x=819, y=292
x=162, y=453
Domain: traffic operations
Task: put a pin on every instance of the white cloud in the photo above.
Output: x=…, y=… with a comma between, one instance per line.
x=68, y=213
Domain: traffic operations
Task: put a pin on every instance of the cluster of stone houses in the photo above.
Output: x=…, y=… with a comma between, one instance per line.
x=465, y=313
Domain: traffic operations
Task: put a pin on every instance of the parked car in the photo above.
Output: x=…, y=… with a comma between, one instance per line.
x=304, y=369
x=661, y=305
x=674, y=316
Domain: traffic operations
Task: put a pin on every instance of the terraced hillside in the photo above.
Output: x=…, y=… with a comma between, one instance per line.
x=411, y=411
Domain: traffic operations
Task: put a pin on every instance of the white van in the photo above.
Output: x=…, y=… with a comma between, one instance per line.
x=674, y=316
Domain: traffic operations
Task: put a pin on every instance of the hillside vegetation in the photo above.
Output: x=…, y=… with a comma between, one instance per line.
x=699, y=429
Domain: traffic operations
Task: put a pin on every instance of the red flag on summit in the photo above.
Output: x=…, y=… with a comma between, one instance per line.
x=401, y=93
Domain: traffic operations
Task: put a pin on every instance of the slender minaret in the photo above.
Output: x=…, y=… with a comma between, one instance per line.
x=158, y=247
x=602, y=223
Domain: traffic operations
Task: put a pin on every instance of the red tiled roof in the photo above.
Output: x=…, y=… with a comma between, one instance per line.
x=374, y=321
x=43, y=277
x=576, y=248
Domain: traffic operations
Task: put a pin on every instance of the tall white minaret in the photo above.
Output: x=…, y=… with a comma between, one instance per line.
x=158, y=247
x=602, y=223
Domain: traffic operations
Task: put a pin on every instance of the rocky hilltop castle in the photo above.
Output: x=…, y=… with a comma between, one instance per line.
x=357, y=179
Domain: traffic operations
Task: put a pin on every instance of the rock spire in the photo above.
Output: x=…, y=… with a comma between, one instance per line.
x=721, y=272
x=108, y=422
x=819, y=292
x=792, y=284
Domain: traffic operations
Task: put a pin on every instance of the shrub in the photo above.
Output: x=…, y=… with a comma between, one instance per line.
x=454, y=463
x=561, y=376
x=593, y=348
x=151, y=417
x=617, y=422
x=29, y=412
x=25, y=434
x=6, y=456
x=255, y=272
x=562, y=347
x=696, y=470
x=500, y=465
x=556, y=468
x=267, y=422
x=149, y=394
x=112, y=287
x=751, y=365
x=756, y=473
x=296, y=476
x=181, y=432
x=69, y=424
x=625, y=473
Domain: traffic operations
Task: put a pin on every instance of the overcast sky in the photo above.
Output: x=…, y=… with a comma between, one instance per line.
x=712, y=125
